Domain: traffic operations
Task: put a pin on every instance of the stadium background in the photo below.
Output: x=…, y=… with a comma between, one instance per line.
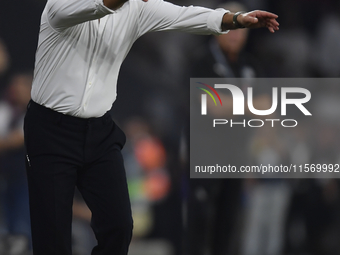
x=153, y=109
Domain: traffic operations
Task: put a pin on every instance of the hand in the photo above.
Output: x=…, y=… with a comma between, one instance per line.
x=258, y=19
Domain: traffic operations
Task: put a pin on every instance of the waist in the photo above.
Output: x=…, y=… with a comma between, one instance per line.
x=54, y=116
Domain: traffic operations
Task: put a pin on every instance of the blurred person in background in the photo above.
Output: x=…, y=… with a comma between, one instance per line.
x=318, y=202
x=225, y=55
x=214, y=205
x=14, y=199
x=267, y=200
x=149, y=187
x=326, y=50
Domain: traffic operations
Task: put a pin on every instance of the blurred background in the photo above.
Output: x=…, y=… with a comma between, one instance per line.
x=174, y=215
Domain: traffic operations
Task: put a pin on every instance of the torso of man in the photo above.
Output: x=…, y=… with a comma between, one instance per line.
x=82, y=58
x=82, y=45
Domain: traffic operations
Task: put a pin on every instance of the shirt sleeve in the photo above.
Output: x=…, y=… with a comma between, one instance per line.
x=158, y=15
x=62, y=14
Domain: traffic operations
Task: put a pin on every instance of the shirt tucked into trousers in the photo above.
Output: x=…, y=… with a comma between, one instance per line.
x=64, y=152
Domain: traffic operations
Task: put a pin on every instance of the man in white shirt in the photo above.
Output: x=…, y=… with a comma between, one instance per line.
x=70, y=138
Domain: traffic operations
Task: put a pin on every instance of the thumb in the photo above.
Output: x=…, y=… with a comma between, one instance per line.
x=250, y=19
x=253, y=20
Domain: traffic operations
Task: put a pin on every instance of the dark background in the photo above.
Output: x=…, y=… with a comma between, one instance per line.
x=153, y=109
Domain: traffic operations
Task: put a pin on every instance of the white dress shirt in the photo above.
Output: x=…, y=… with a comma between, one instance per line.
x=82, y=45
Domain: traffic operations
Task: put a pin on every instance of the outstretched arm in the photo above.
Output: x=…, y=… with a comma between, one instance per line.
x=159, y=15
x=253, y=19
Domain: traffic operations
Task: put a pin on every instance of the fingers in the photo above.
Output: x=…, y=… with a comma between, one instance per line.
x=270, y=20
x=274, y=24
x=257, y=19
x=272, y=27
x=266, y=15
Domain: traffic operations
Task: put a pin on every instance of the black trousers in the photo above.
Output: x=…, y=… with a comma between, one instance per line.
x=64, y=152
